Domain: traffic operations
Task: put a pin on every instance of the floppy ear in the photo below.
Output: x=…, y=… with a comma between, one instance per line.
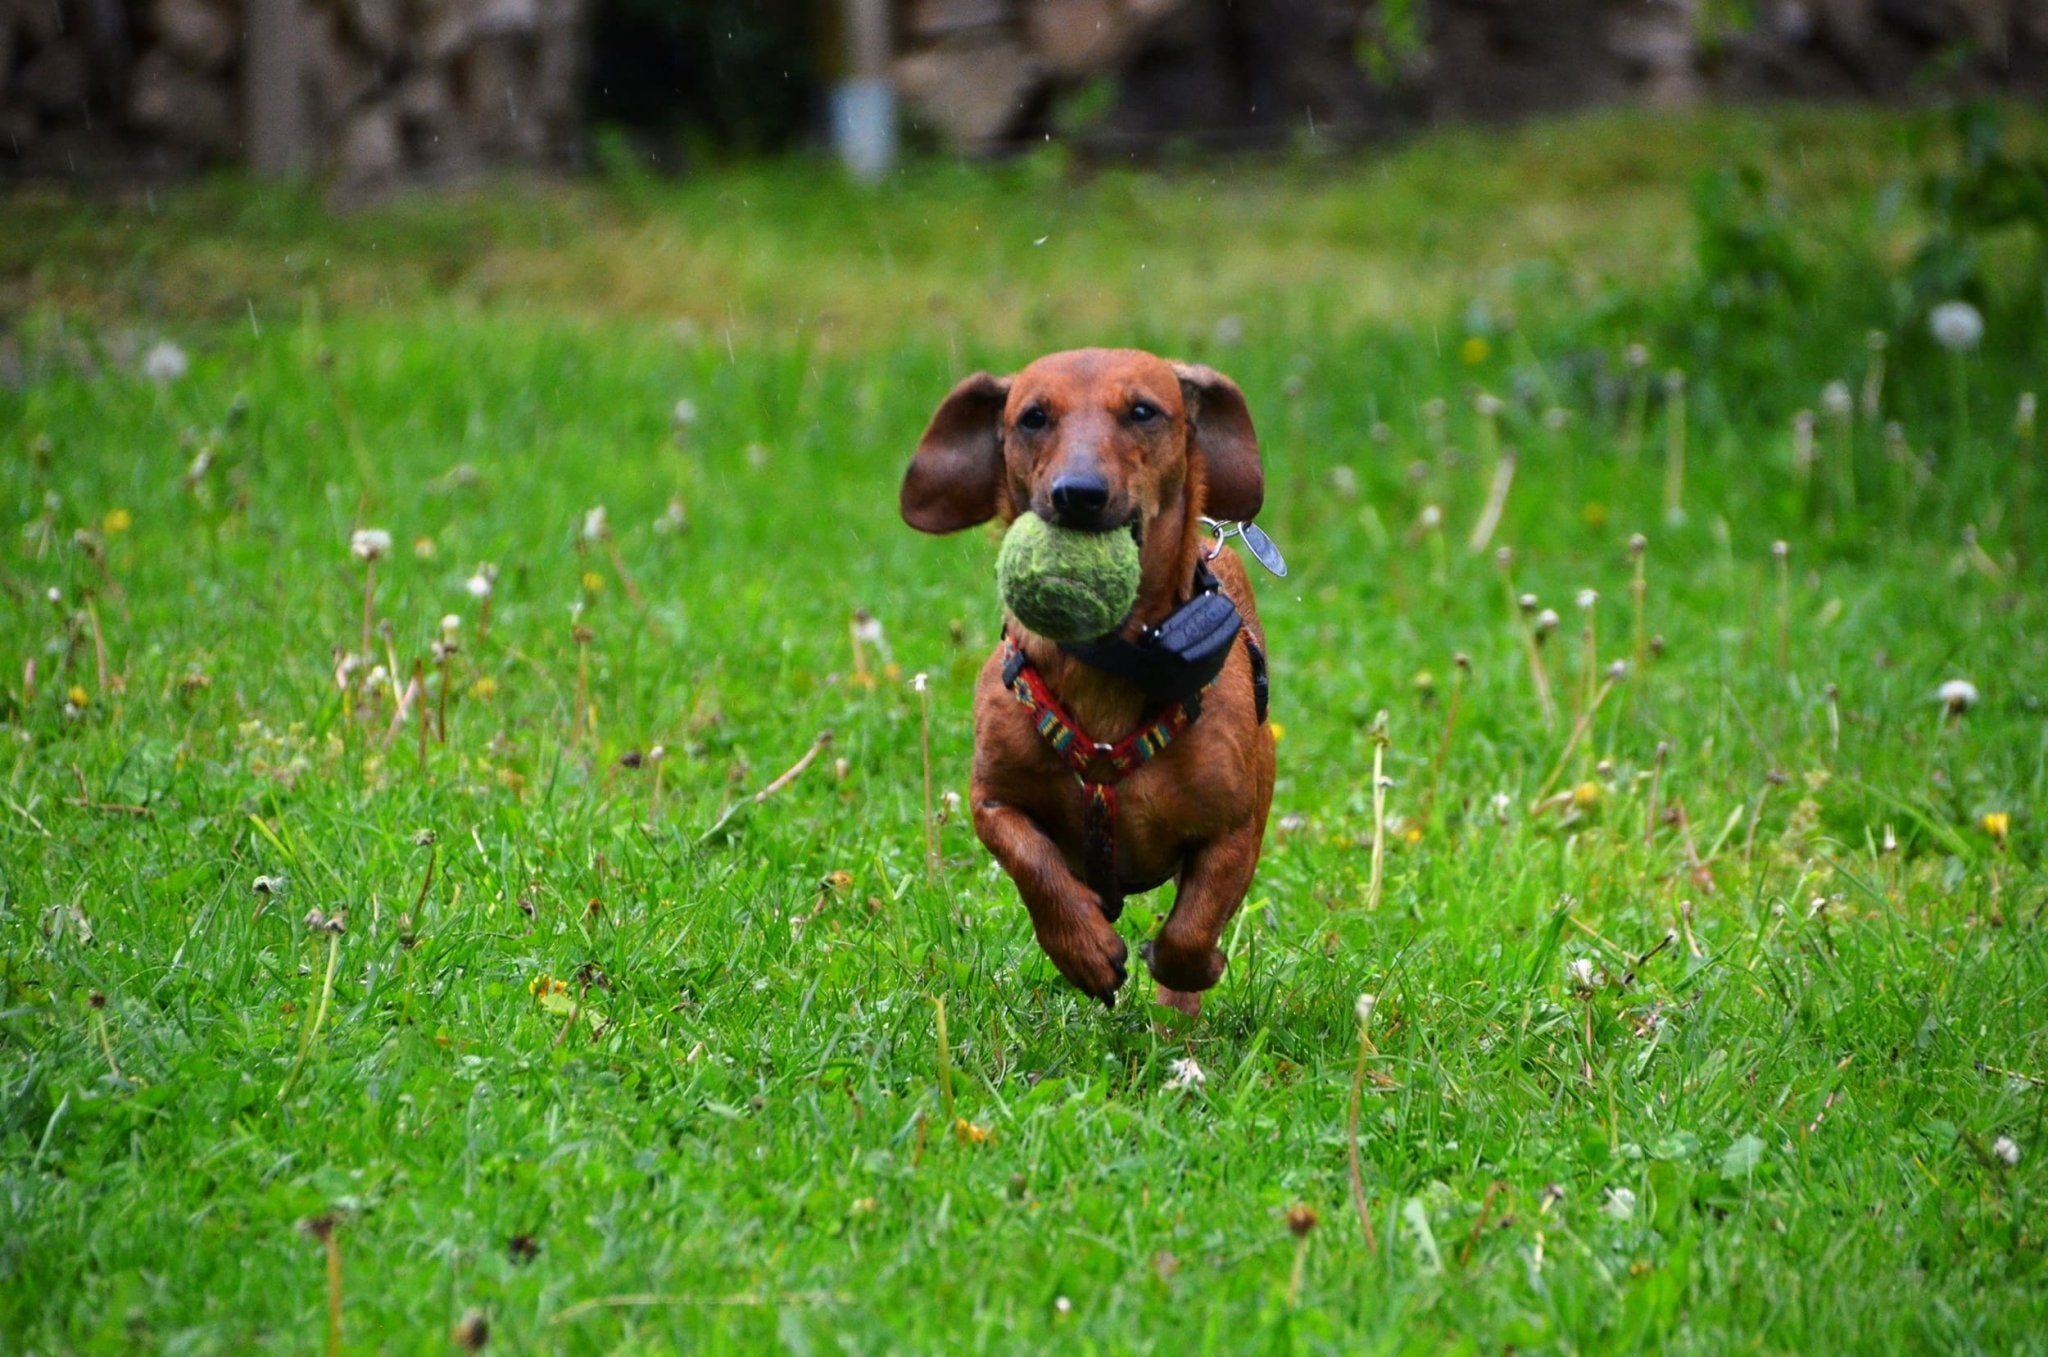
x=957, y=474
x=1223, y=435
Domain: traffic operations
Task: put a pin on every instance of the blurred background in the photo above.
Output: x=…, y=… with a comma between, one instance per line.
x=373, y=93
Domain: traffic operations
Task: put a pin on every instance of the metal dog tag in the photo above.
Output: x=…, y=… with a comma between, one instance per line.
x=1263, y=548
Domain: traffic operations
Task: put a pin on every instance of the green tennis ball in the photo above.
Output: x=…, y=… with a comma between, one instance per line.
x=1067, y=585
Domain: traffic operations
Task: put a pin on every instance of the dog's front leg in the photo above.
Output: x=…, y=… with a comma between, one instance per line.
x=1184, y=958
x=1065, y=914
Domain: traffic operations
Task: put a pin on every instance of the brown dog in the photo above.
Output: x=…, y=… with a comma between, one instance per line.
x=1088, y=784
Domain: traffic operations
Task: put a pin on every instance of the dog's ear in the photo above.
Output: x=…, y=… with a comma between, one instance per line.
x=957, y=474
x=1223, y=436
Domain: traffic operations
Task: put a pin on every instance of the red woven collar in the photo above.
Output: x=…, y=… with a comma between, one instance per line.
x=1097, y=766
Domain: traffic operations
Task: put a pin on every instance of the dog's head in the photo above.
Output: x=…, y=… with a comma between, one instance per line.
x=1091, y=439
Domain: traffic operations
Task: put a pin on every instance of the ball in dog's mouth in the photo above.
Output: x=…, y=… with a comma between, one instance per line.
x=1064, y=584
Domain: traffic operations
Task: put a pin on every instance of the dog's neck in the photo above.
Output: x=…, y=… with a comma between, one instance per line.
x=1106, y=707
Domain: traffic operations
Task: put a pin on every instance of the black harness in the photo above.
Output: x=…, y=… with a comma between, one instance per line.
x=1176, y=659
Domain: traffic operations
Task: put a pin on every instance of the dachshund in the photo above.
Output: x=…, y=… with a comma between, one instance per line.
x=1103, y=769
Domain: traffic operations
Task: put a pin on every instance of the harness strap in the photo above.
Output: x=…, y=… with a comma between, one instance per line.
x=1098, y=767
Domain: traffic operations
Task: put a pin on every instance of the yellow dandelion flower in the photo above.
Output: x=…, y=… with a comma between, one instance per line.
x=1474, y=350
x=78, y=697
x=592, y=582
x=1595, y=515
x=1997, y=824
x=1586, y=794
x=116, y=522
x=968, y=1133
x=484, y=689
x=1279, y=731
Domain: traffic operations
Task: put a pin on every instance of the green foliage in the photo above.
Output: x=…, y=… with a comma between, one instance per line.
x=1714, y=1029
x=1749, y=247
x=1992, y=204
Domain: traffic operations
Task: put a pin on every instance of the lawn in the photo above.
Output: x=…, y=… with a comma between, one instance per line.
x=1707, y=1012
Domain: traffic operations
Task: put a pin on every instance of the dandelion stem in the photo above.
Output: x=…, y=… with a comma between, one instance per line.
x=1357, y=1169
x=291, y=1079
x=419, y=682
x=931, y=822
x=945, y=1059
x=1783, y=555
x=433, y=851
x=333, y=1246
x=1379, y=813
x=1959, y=394
x=99, y=1027
x=1579, y=728
x=99, y=644
x=745, y=803
x=1674, y=448
x=1639, y=589
x=1656, y=787
x=1539, y=676
x=1496, y=502
x=369, y=601
x=1443, y=747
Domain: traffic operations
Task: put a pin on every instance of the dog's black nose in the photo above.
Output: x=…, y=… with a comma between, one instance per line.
x=1079, y=498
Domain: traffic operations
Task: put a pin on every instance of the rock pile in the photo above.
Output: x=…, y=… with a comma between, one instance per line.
x=367, y=90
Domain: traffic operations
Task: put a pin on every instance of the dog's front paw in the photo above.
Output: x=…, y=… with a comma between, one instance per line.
x=1091, y=958
x=1185, y=971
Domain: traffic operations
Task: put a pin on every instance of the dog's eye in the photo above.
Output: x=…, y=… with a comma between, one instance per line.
x=1144, y=412
x=1033, y=419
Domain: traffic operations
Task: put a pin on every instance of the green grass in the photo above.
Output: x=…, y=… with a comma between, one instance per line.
x=736, y=1127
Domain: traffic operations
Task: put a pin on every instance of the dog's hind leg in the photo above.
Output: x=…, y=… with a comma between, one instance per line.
x=1184, y=958
x=1065, y=914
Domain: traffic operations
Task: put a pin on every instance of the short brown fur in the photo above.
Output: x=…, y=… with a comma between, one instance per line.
x=1197, y=812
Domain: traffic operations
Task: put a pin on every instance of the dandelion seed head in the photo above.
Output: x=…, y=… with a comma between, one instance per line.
x=1957, y=695
x=1547, y=621
x=369, y=544
x=684, y=414
x=1957, y=326
x=1836, y=401
x=1586, y=598
x=2006, y=1150
x=596, y=527
x=1580, y=972
x=1430, y=518
x=479, y=585
x=165, y=362
x=1364, y=1007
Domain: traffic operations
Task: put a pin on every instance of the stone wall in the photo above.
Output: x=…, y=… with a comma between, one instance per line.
x=364, y=91
x=980, y=74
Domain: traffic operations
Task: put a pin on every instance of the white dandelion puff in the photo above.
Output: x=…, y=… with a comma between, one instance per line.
x=369, y=544
x=1958, y=695
x=1957, y=326
x=165, y=362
